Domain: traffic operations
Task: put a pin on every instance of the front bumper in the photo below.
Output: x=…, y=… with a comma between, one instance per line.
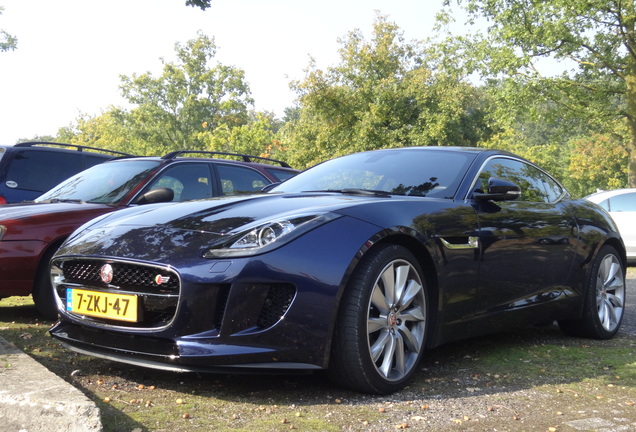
x=274, y=311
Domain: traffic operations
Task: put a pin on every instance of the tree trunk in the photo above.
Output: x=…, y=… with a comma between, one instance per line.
x=630, y=97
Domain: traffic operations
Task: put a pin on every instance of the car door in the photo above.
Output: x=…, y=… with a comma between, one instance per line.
x=526, y=244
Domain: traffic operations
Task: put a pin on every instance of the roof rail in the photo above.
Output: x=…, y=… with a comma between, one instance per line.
x=245, y=158
x=77, y=147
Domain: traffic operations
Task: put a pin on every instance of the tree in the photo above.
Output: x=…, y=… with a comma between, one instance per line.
x=191, y=96
x=203, y=4
x=7, y=41
x=108, y=130
x=538, y=129
x=595, y=37
x=597, y=162
x=380, y=95
x=257, y=137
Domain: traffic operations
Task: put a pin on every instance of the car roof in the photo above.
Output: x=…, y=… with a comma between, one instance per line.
x=65, y=148
x=247, y=160
x=602, y=195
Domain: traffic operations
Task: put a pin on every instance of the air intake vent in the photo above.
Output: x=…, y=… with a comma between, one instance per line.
x=276, y=304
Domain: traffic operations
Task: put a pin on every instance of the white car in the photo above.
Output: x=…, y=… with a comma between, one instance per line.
x=621, y=204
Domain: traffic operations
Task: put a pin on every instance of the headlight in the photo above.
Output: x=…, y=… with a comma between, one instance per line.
x=267, y=236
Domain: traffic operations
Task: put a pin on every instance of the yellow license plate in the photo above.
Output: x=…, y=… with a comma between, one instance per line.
x=103, y=305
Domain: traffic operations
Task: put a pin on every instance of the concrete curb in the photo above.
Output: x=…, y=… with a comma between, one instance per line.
x=34, y=399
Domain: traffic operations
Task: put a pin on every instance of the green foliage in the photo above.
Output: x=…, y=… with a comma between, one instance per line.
x=593, y=38
x=108, y=130
x=597, y=162
x=7, y=42
x=190, y=96
x=257, y=137
x=203, y=4
x=41, y=138
x=380, y=95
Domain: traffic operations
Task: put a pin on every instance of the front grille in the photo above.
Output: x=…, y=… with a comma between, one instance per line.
x=157, y=287
x=126, y=276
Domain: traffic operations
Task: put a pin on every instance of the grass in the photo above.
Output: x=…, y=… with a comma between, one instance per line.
x=531, y=379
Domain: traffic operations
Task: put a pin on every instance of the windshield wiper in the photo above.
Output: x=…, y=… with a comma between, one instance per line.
x=360, y=192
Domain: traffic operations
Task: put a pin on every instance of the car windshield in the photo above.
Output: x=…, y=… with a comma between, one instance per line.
x=105, y=183
x=400, y=171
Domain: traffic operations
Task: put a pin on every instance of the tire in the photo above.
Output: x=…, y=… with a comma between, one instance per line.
x=604, y=299
x=382, y=323
x=43, y=289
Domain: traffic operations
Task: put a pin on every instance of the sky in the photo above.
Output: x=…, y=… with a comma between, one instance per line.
x=71, y=53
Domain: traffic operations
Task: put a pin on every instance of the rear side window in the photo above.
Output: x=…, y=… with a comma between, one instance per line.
x=41, y=170
x=281, y=175
x=237, y=180
x=536, y=186
x=605, y=204
x=623, y=203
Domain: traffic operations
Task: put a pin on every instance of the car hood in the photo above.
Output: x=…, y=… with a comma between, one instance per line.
x=46, y=222
x=156, y=233
x=32, y=209
x=223, y=215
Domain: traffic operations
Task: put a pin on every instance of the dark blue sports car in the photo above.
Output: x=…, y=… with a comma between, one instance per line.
x=356, y=265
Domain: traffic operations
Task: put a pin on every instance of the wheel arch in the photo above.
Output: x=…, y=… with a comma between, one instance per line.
x=614, y=241
x=423, y=252
x=619, y=246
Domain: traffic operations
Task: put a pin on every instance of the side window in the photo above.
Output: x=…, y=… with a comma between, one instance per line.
x=189, y=181
x=41, y=170
x=240, y=180
x=535, y=185
x=623, y=203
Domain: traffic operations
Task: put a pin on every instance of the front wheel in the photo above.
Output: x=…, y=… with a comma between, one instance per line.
x=382, y=322
x=43, y=296
x=604, y=299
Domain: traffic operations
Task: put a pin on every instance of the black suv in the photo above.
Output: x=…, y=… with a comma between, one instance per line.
x=28, y=169
x=30, y=233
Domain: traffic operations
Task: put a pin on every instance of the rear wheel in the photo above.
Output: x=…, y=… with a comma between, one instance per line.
x=604, y=301
x=382, y=322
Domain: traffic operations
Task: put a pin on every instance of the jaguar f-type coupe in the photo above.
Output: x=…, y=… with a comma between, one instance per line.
x=357, y=266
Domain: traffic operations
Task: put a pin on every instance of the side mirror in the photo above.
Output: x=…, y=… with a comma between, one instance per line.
x=156, y=196
x=499, y=190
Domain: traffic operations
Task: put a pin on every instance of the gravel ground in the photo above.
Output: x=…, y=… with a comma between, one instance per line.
x=461, y=387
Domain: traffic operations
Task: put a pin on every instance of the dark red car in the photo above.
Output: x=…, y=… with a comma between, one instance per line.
x=31, y=232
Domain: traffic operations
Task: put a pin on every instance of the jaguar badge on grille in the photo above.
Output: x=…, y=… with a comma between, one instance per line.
x=106, y=273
